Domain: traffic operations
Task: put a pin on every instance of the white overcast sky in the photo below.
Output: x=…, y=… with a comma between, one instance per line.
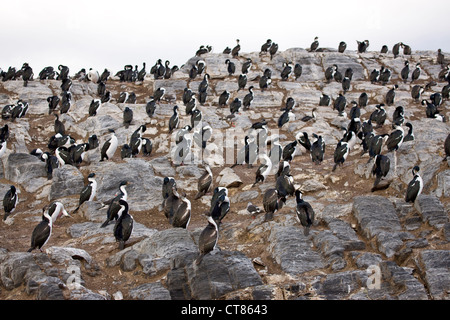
x=110, y=34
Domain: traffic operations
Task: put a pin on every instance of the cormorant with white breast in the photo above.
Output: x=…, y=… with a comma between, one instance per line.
x=208, y=239
x=223, y=98
x=89, y=191
x=124, y=224
x=41, y=233
x=390, y=95
x=248, y=98
x=416, y=73
x=231, y=67
x=182, y=215
x=263, y=170
x=272, y=202
x=94, y=107
x=405, y=71
x=204, y=184
x=174, y=119
x=305, y=212
x=10, y=201
x=114, y=207
x=415, y=186
x=56, y=209
x=286, y=72
x=314, y=45
x=109, y=147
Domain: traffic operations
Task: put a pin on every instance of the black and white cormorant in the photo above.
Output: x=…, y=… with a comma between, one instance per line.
x=404, y=73
x=150, y=107
x=264, y=169
x=114, y=207
x=410, y=134
x=340, y=153
x=235, y=105
x=220, y=209
x=416, y=73
x=362, y=45
x=124, y=224
x=395, y=139
x=204, y=184
x=159, y=94
x=59, y=125
x=109, y=147
x=289, y=151
x=94, y=107
x=271, y=203
x=286, y=72
x=379, y=115
x=314, y=45
x=265, y=46
x=339, y=104
x=342, y=46
x=10, y=201
x=398, y=117
x=380, y=169
x=56, y=209
x=174, y=119
x=89, y=191
x=231, y=67
x=248, y=98
x=273, y=50
x=317, y=149
x=390, y=95
x=285, y=185
x=53, y=103
x=415, y=186
x=182, y=214
x=208, y=239
x=236, y=49
x=324, y=100
x=41, y=233
x=305, y=212
x=223, y=98
x=242, y=81
x=246, y=65
x=247, y=154
x=311, y=117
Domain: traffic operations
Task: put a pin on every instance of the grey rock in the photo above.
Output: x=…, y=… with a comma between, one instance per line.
x=228, y=178
x=293, y=251
x=145, y=191
x=432, y=210
x=51, y=289
x=366, y=259
x=340, y=285
x=378, y=219
x=150, y=291
x=218, y=274
x=434, y=267
x=161, y=251
x=64, y=254
x=26, y=170
x=404, y=284
x=342, y=230
x=67, y=181
x=331, y=248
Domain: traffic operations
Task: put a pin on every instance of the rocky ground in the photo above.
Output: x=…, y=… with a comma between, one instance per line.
x=363, y=244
